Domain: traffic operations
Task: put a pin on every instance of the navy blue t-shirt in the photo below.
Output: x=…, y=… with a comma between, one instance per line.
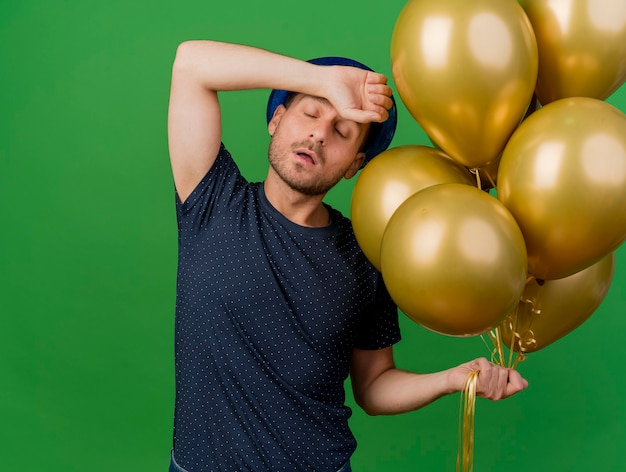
x=267, y=315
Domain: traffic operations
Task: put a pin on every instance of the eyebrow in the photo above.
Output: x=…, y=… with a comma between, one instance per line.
x=321, y=100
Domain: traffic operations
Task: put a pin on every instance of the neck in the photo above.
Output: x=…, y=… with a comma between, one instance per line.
x=304, y=210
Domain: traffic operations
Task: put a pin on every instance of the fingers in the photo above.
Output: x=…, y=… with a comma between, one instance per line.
x=363, y=97
x=376, y=78
x=380, y=94
x=374, y=108
x=495, y=382
x=380, y=114
x=372, y=114
x=379, y=89
x=516, y=383
x=378, y=101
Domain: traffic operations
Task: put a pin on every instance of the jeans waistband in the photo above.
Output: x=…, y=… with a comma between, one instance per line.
x=174, y=467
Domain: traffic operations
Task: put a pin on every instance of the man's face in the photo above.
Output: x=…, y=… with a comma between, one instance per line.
x=312, y=147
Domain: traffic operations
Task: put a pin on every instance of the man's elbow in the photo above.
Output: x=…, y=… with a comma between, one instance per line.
x=367, y=405
x=183, y=59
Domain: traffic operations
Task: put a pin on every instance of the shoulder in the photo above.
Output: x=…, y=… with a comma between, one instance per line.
x=222, y=181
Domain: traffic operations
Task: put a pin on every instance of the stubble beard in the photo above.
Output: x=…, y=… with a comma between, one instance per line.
x=295, y=175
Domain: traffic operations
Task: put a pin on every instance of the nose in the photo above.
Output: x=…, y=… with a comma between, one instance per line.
x=319, y=132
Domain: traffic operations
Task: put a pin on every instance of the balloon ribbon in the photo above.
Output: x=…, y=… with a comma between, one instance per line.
x=465, y=453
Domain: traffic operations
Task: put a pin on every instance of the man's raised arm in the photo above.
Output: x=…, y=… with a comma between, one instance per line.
x=204, y=68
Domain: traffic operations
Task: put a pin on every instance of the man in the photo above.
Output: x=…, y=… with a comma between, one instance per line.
x=276, y=303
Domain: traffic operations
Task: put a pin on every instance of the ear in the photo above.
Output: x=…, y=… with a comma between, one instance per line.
x=273, y=123
x=355, y=166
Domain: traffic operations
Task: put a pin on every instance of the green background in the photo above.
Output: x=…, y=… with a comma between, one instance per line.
x=88, y=250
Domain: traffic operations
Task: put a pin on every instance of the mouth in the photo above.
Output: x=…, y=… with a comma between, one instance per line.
x=306, y=155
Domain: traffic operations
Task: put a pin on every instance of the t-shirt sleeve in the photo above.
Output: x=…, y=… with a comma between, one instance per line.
x=215, y=192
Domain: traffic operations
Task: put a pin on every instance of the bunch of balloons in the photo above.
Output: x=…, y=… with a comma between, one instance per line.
x=511, y=94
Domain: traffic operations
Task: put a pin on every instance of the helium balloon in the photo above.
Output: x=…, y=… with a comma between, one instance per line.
x=453, y=259
x=466, y=71
x=582, y=47
x=387, y=181
x=488, y=175
x=563, y=177
x=555, y=308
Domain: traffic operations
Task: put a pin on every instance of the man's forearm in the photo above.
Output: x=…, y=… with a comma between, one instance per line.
x=392, y=391
x=224, y=66
x=396, y=391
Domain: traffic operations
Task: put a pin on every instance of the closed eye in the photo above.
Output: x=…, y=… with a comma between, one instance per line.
x=311, y=109
x=346, y=129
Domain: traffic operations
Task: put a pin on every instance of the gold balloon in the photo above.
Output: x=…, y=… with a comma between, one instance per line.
x=582, y=47
x=550, y=311
x=563, y=177
x=466, y=71
x=453, y=259
x=387, y=181
x=488, y=175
